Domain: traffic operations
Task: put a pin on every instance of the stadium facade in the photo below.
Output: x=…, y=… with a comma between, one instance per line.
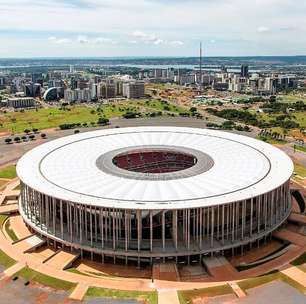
x=148, y=193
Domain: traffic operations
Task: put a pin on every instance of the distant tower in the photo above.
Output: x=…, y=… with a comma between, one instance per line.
x=200, y=83
x=244, y=71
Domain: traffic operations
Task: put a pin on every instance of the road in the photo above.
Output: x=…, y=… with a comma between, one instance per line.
x=10, y=153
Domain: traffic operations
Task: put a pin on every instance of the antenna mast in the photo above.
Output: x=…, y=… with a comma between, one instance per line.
x=200, y=68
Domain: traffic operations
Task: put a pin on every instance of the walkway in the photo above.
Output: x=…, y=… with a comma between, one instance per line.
x=79, y=292
x=168, y=297
x=13, y=269
x=295, y=274
x=290, y=236
x=62, y=259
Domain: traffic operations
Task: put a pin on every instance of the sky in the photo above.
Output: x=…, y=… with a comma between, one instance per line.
x=110, y=28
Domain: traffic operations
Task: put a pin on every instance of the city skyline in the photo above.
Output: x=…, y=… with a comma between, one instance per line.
x=91, y=28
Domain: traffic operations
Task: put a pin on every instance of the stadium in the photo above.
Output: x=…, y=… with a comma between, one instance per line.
x=147, y=194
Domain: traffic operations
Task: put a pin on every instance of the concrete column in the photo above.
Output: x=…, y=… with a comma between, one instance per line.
x=90, y=224
x=114, y=228
x=222, y=232
x=139, y=229
x=61, y=219
x=201, y=227
x=101, y=227
x=174, y=230
x=163, y=230
x=151, y=230
x=212, y=226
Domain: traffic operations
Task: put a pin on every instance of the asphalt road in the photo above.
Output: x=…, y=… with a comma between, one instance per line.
x=10, y=153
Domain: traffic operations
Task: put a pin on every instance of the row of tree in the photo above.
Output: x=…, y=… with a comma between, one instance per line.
x=18, y=139
x=102, y=121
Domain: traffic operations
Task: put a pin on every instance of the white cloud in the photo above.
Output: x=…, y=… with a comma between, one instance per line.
x=263, y=29
x=158, y=41
x=104, y=40
x=56, y=40
x=82, y=39
x=148, y=37
x=176, y=42
x=63, y=40
x=52, y=38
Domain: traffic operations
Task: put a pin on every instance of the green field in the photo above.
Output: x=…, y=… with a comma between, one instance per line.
x=300, y=148
x=8, y=172
x=32, y=275
x=5, y=260
x=290, y=98
x=17, y=122
x=147, y=297
x=257, y=281
x=299, y=170
x=187, y=296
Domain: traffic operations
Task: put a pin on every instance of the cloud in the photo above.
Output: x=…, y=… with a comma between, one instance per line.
x=263, y=29
x=63, y=40
x=82, y=39
x=100, y=40
x=147, y=38
x=176, y=42
x=59, y=40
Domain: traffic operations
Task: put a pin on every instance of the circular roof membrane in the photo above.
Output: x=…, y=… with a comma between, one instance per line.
x=229, y=168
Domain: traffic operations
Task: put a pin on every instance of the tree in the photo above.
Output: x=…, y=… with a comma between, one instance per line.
x=193, y=109
x=35, y=130
x=8, y=140
x=27, y=131
x=103, y=121
x=17, y=139
x=76, y=131
x=24, y=138
x=43, y=135
x=32, y=136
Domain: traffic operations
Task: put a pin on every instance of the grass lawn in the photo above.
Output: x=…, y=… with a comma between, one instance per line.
x=290, y=98
x=148, y=297
x=3, y=184
x=8, y=172
x=186, y=296
x=254, y=282
x=2, y=220
x=300, y=170
x=271, y=141
x=300, y=148
x=17, y=122
x=10, y=232
x=32, y=275
x=300, y=260
x=74, y=270
x=5, y=260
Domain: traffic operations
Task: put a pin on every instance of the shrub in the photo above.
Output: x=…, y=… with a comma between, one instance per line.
x=103, y=121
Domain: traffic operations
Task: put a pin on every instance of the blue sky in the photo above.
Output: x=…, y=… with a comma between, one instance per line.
x=30, y=28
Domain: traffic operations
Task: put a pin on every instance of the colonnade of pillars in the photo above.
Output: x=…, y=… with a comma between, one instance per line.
x=155, y=232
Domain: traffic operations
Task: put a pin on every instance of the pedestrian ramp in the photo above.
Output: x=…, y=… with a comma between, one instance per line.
x=29, y=244
x=62, y=259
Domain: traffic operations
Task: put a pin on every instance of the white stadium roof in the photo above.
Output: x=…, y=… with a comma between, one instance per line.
x=67, y=169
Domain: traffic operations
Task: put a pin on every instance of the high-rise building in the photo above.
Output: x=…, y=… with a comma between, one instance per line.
x=32, y=90
x=244, y=71
x=134, y=89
